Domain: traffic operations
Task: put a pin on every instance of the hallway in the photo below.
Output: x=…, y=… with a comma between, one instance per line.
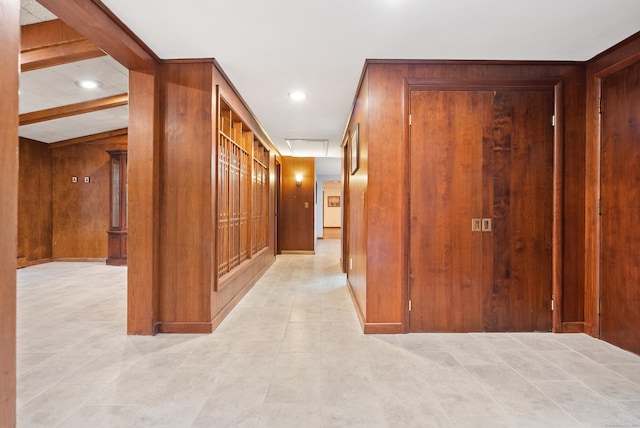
x=292, y=354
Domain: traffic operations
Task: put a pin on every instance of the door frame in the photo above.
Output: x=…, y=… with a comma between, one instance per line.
x=445, y=84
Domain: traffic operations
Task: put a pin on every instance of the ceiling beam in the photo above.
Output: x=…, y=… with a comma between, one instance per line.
x=74, y=109
x=65, y=53
x=51, y=43
x=101, y=26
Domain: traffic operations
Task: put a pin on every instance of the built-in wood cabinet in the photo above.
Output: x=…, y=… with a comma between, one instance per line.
x=243, y=192
x=118, y=214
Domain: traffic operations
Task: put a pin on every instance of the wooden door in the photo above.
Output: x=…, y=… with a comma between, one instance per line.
x=485, y=155
x=446, y=178
x=620, y=207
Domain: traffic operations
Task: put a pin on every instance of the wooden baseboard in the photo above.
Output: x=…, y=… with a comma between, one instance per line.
x=38, y=262
x=185, y=327
x=572, y=327
x=309, y=253
x=373, y=327
x=383, y=328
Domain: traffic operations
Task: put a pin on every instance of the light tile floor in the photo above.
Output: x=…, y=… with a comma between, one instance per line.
x=292, y=354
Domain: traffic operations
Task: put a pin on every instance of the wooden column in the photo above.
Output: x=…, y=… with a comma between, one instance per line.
x=143, y=175
x=9, y=50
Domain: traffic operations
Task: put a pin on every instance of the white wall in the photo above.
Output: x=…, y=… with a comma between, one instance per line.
x=320, y=201
x=332, y=214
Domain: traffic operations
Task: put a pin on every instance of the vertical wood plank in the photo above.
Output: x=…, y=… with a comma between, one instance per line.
x=144, y=178
x=497, y=174
x=9, y=51
x=186, y=219
x=521, y=176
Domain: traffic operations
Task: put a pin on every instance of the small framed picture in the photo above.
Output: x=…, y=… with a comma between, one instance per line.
x=355, y=149
x=333, y=201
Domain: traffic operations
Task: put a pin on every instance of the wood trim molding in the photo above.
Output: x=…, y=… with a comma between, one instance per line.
x=419, y=84
x=89, y=138
x=74, y=109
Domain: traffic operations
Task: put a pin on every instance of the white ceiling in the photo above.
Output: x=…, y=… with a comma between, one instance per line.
x=271, y=48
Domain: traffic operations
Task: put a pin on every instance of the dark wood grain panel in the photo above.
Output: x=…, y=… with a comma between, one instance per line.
x=296, y=227
x=35, y=202
x=620, y=205
x=9, y=48
x=519, y=173
x=446, y=179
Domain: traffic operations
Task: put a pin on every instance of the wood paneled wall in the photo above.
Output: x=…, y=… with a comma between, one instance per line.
x=356, y=200
x=382, y=223
x=619, y=57
x=35, y=203
x=9, y=50
x=81, y=210
x=187, y=253
x=296, y=221
x=189, y=296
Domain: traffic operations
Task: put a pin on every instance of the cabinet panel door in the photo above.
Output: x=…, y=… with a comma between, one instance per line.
x=620, y=193
x=488, y=156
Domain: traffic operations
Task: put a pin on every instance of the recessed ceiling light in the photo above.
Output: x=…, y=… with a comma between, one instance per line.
x=88, y=84
x=297, y=95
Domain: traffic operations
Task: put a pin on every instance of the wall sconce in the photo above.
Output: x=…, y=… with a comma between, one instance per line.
x=298, y=179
